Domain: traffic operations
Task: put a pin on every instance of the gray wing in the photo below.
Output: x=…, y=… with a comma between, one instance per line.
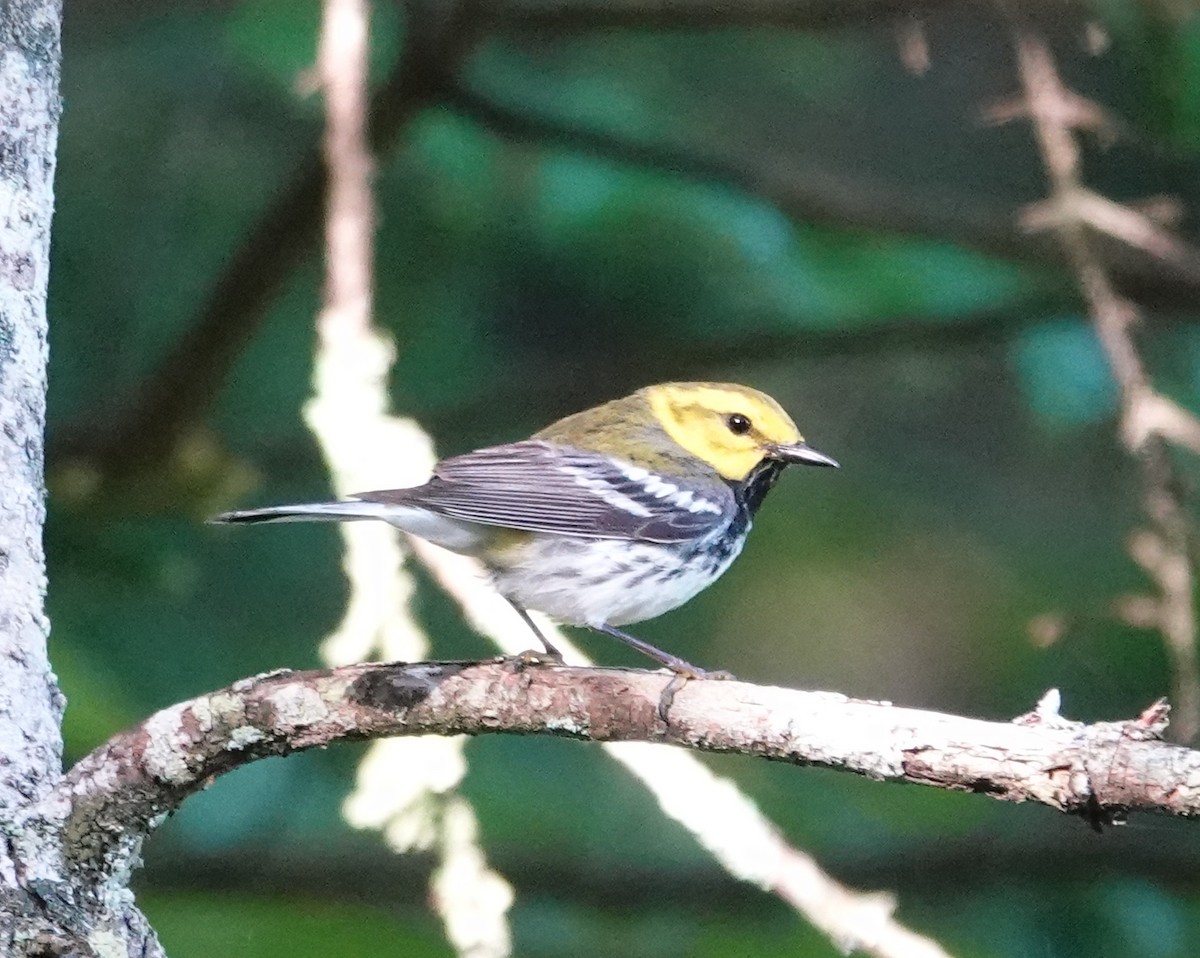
x=540, y=487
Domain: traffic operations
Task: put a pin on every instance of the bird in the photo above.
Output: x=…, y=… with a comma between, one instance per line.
x=605, y=518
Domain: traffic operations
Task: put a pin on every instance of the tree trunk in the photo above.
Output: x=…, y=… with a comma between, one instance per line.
x=48, y=904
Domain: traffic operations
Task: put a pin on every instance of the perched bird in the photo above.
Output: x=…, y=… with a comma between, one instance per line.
x=613, y=515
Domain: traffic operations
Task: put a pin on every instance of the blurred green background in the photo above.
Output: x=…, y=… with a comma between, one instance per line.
x=576, y=199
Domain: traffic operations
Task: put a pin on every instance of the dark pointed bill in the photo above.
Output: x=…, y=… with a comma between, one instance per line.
x=804, y=454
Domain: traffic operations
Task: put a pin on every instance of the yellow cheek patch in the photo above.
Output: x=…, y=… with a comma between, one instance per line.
x=694, y=414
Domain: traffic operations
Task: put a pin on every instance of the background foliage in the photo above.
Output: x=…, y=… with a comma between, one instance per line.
x=570, y=207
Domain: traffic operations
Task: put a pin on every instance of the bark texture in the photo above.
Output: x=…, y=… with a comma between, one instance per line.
x=30, y=706
x=30, y=703
x=47, y=906
x=113, y=798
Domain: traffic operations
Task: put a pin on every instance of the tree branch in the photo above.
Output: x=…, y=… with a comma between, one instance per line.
x=113, y=797
x=173, y=398
x=31, y=704
x=841, y=198
x=1149, y=420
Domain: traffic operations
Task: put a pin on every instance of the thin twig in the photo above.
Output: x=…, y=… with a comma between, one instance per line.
x=349, y=205
x=1149, y=421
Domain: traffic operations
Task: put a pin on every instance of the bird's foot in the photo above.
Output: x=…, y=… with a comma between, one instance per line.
x=531, y=658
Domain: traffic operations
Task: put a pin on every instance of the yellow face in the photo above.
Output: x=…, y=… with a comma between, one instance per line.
x=733, y=428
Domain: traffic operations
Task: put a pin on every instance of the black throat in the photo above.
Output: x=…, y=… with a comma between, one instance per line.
x=752, y=490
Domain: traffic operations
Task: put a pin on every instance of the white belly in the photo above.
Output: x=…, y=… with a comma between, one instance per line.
x=595, y=582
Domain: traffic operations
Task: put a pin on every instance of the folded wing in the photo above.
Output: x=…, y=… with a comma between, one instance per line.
x=543, y=487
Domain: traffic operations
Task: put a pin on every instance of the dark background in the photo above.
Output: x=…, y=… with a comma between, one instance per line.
x=576, y=199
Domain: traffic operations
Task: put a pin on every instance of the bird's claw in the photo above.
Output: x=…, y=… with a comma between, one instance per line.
x=531, y=658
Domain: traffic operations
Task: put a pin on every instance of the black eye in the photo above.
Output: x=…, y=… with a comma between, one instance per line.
x=738, y=424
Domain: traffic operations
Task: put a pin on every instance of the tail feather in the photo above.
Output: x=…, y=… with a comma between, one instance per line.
x=309, y=512
x=455, y=534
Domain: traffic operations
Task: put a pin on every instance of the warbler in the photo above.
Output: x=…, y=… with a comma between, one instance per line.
x=608, y=517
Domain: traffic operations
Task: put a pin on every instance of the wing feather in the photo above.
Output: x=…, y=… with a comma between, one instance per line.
x=542, y=487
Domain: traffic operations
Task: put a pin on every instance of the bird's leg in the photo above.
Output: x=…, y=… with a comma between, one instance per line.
x=672, y=662
x=551, y=651
x=683, y=670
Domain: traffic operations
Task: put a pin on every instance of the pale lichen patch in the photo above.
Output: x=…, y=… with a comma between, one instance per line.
x=566, y=724
x=227, y=709
x=167, y=744
x=108, y=944
x=243, y=736
x=202, y=714
x=298, y=706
